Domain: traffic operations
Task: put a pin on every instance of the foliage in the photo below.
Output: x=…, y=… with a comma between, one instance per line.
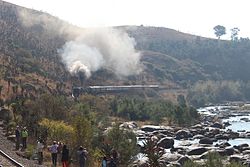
x=57, y=130
x=234, y=33
x=191, y=164
x=219, y=31
x=83, y=131
x=49, y=106
x=153, y=152
x=154, y=110
x=217, y=91
x=124, y=142
x=235, y=164
x=213, y=160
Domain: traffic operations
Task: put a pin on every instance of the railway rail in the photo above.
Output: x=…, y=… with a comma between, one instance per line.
x=7, y=161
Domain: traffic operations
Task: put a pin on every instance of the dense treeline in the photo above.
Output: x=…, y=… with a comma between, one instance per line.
x=154, y=110
x=205, y=92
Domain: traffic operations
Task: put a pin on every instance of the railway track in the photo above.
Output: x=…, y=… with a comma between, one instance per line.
x=7, y=161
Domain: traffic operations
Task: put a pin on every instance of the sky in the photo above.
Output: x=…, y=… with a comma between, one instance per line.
x=191, y=16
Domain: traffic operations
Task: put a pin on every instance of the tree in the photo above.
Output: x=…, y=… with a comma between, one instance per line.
x=219, y=31
x=234, y=33
x=124, y=142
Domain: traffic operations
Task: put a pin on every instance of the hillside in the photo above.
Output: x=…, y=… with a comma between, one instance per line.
x=216, y=60
x=31, y=65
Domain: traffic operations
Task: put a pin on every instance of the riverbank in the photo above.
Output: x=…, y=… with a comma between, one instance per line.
x=223, y=129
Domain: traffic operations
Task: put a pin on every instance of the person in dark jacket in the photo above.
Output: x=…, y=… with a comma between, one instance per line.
x=82, y=154
x=65, y=156
x=18, y=136
x=112, y=162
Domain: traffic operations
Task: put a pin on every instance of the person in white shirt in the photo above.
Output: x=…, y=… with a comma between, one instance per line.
x=53, y=150
x=39, y=148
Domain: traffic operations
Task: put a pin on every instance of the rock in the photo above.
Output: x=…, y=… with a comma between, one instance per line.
x=245, y=119
x=11, y=138
x=168, y=132
x=223, y=145
x=226, y=124
x=182, y=134
x=197, y=126
x=206, y=140
x=129, y=125
x=246, y=152
x=151, y=128
x=169, y=157
x=175, y=164
x=217, y=125
x=234, y=135
x=198, y=137
x=182, y=160
x=235, y=158
x=242, y=147
x=222, y=137
x=166, y=142
x=179, y=150
x=197, y=151
x=229, y=151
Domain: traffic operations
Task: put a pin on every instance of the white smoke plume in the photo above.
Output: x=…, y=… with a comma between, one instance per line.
x=88, y=50
x=50, y=24
x=98, y=48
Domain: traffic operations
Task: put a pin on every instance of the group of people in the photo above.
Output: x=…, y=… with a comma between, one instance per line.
x=21, y=137
x=62, y=149
x=57, y=149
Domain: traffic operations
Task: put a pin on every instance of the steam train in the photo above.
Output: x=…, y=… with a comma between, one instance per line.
x=76, y=91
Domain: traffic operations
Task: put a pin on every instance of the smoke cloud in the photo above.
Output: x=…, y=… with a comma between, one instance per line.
x=98, y=48
x=51, y=25
x=88, y=50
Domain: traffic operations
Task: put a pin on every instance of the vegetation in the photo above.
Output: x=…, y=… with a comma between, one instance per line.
x=205, y=92
x=213, y=160
x=153, y=152
x=219, y=31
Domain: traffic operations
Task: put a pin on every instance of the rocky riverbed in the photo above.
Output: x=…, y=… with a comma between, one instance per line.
x=223, y=129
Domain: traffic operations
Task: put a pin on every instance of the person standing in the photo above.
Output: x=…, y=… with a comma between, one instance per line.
x=24, y=135
x=18, y=135
x=59, y=151
x=82, y=154
x=53, y=150
x=39, y=148
x=112, y=162
x=65, y=156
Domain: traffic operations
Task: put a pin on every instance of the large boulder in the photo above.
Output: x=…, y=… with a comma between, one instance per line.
x=169, y=157
x=183, y=134
x=197, y=151
x=221, y=137
x=152, y=128
x=235, y=158
x=206, y=140
x=166, y=142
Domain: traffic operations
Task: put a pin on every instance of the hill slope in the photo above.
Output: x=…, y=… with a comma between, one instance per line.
x=30, y=62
